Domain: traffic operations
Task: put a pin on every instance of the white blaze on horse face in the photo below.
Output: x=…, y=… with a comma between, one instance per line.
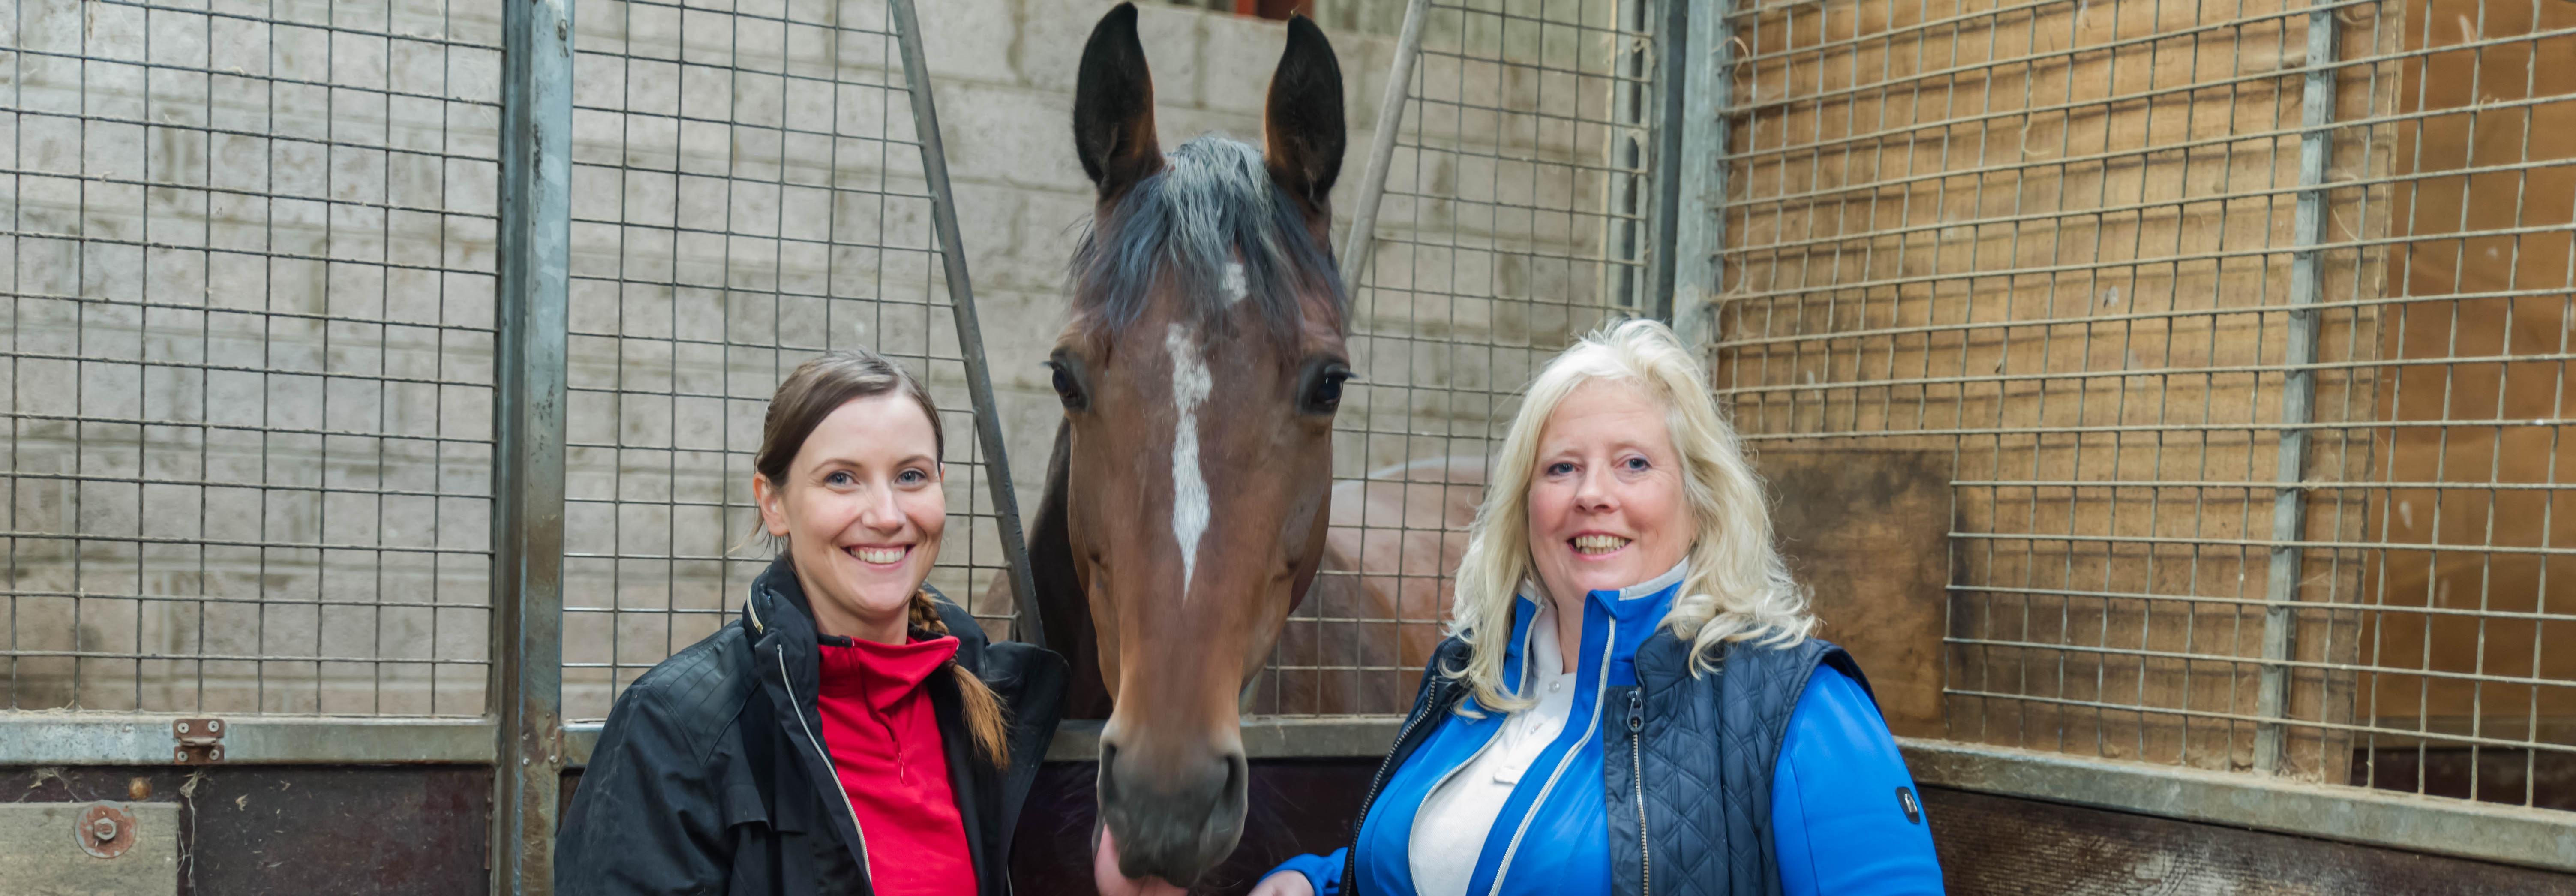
x=1234, y=286
x=1190, y=385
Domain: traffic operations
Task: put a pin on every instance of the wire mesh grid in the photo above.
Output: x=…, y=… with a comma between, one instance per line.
x=249, y=355
x=2241, y=329
x=1514, y=220
x=747, y=193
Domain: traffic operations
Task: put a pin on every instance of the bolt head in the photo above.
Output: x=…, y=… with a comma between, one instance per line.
x=104, y=829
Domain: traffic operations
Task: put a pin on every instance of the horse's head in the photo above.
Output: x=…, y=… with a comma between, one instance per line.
x=1200, y=373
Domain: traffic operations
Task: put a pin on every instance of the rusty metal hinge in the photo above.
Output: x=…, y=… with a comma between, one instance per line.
x=201, y=741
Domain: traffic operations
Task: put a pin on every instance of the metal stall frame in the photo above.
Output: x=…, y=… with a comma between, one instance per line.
x=522, y=735
x=528, y=474
x=2262, y=798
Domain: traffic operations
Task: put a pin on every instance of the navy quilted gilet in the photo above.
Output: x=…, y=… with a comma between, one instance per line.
x=1707, y=747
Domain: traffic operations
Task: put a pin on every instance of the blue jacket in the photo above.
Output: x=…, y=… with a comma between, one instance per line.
x=1789, y=736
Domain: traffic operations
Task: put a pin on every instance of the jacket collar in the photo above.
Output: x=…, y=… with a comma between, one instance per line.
x=1639, y=609
x=777, y=601
x=882, y=675
x=778, y=608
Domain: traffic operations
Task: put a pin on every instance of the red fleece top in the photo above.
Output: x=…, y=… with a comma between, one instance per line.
x=886, y=748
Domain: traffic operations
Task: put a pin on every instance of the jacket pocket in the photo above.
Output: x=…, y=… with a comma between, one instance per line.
x=741, y=804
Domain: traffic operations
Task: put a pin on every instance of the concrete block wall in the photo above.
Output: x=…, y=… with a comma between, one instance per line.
x=715, y=217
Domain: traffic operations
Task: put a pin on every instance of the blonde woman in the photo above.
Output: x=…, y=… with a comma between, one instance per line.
x=1622, y=614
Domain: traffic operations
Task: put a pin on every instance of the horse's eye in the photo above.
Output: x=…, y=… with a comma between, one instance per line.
x=1324, y=395
x=1068, y=391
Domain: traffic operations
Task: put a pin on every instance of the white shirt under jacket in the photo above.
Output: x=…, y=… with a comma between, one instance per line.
x=1449, y=832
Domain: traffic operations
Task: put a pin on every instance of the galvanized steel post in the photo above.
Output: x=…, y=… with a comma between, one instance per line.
x=1672, y=73
x=2298, y=393
x=970, y=334
x=528, y=435
x=1699, y=219
x=1390, y=118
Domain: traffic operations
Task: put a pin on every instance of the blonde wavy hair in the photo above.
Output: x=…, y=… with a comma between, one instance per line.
x=1738, y=588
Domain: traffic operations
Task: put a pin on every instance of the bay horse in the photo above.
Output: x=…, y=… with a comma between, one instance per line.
x=1188, y=489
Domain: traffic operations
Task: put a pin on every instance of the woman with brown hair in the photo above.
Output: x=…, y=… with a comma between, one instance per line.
x=852, y=732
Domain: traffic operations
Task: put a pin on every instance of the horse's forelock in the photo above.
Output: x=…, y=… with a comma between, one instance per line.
x=1214, y=229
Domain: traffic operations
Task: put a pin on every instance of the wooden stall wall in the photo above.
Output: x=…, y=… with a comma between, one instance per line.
x=2480, y=332
x=2047, y=245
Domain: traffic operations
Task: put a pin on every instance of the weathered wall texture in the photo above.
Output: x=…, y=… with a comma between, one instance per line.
x=279, y=236
x=273, y=245
x=2489, y=293
x=2048, y=243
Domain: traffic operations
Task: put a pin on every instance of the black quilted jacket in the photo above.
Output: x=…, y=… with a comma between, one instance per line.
x=1705, y=746
x=709, y=777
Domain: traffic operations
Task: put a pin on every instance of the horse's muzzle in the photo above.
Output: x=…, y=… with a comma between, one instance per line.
x=1172, y=819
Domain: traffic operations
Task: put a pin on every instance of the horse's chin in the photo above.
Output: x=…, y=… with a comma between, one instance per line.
x=1107, y=879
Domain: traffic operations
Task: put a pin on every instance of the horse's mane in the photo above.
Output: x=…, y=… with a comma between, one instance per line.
x=1181, y=227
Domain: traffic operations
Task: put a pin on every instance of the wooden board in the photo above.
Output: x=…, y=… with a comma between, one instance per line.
x=40, y=857
x=248, y=829
x=1992, y=844
x=1869, y=532
x=2436, y=266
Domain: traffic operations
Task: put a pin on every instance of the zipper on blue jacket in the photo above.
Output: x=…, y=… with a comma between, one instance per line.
x=1637, y=785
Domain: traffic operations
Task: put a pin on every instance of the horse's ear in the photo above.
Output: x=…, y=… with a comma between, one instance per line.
x=1113, y=106
x=1303, y=126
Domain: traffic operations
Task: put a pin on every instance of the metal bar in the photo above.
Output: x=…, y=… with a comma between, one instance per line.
x=1078, y=740
x=2376, y=610
x=1671, y=108
x=1390, y=118
x=1347, y=737
x=1700, y=235
x=2485, y=831
x=529, y=345
x=2295, y=313
x=970, y=334
x=2224, y=659
x=2298, y=396
x=1625, y=235
x=143, y=739
x=2054, y=321
x=2540, y=422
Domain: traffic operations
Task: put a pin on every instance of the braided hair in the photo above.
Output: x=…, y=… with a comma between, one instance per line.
x=984, y=715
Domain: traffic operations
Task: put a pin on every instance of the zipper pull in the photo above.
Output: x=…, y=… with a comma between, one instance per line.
x=1636, y=710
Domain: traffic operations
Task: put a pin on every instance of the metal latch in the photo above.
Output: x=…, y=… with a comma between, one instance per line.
x=201, y=741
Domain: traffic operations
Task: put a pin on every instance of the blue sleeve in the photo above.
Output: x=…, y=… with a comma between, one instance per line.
x=1324, y=873
x=1844, y=812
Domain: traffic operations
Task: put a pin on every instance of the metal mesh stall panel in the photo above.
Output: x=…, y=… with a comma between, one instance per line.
x=1514, y=220
x=250, y=260
x=747, y=193
x=2203, y=309
x=2469, y=673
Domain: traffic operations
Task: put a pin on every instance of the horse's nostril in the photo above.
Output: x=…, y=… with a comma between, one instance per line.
x=1108, y=774
x=1238, y=779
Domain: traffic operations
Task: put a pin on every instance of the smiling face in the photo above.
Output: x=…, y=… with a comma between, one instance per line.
x=862, y=511
x=1606, y=503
